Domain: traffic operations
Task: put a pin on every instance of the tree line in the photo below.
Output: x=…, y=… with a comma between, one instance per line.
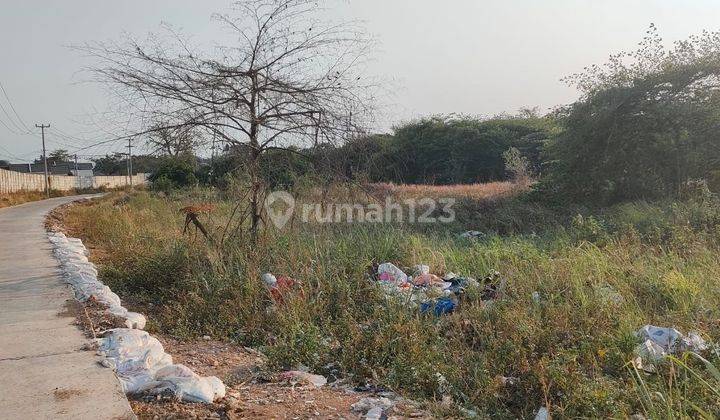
x=289, y=104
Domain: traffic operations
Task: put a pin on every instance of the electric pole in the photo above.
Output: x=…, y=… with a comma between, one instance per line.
x=76, y=169
x=130, y=146
x=42, y=128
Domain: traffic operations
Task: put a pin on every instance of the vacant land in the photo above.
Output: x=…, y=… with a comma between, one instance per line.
x=580, y=283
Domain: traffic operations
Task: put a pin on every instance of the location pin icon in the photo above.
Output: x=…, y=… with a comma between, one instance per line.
x=279, y=216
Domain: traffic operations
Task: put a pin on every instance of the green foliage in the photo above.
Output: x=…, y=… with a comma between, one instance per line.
x=116, y=164
x=569, y=349
x=437, y=150
x=641, y=129
x=279, y=168
x=173, y=173
x=447, y=150
x=58, y=155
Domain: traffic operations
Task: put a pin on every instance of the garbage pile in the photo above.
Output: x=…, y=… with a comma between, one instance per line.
x=280, y=286
x=659, y=342
x=139, y=360
x=432, y=293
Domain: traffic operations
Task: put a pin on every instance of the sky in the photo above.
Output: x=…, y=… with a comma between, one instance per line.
x=476, y=57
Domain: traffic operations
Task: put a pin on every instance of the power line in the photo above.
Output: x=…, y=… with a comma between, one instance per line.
x=12, y=121
x=10, y=155
x=67, y=141
x=6, y=126
x=97, y=144
x=13, y=109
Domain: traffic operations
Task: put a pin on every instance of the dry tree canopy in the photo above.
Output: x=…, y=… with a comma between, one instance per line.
x=288, y=78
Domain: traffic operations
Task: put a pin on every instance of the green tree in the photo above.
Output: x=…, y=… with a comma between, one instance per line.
x=56, y=156
x=173, y=173
x=646, y=123
x=448, y=150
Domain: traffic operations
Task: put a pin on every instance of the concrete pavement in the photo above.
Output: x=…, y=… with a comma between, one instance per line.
x=44, y=374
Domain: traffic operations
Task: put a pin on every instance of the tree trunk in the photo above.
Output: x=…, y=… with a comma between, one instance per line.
x=256, y=184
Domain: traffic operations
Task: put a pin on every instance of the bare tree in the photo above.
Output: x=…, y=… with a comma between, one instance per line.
x=290, y=79
x=173, y=141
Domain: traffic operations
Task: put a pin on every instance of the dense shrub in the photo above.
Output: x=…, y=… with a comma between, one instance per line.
x=173, y=173
x=642, y=129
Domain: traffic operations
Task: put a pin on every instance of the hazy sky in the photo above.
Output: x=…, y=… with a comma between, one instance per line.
x=477, y=57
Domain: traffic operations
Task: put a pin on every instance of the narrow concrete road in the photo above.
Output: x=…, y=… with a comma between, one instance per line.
x=44, y=374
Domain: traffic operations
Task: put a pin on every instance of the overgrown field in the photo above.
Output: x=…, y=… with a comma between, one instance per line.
x=597, y=278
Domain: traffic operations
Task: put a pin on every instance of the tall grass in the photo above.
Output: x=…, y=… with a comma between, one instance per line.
x=568, y=350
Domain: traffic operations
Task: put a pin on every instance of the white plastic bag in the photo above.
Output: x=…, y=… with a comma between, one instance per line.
x=390, y=273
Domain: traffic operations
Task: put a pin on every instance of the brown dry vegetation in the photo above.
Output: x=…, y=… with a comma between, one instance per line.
x=253, y=389
x=491, y=191
x=13, y=199
x=568, y=349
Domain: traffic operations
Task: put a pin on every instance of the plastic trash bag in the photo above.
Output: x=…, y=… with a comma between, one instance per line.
x=139, y=360
x=141, y=364
x=658, y=342
x=81, y=274
x=306, y=377
x=390, y=273
x=278, y=286
x=440, y=306
x=187, y=385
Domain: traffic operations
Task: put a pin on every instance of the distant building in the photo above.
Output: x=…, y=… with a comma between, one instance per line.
x=57, y=168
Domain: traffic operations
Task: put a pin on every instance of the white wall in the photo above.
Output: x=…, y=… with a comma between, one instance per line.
x=11, y=181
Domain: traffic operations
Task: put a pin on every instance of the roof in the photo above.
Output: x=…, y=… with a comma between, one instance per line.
x=59, y=168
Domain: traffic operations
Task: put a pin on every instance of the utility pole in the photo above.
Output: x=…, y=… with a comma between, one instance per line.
x=212, y=151
x=76, y=169
x=130, y=146
x=42, y=128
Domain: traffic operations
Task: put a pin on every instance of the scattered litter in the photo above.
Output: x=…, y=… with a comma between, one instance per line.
x=269, y=280
x=472, y=234
x=139, y=360
x=375, y=413
x=301, y=376
x=536, y=297
x=430, y=280
x=471, y=414
x=542, y=414
x=186, y=385
x=432, y=293
x=672, y=340
x=278, y=286
x=373, y=407
x=390, y=273
x=421, y=269
x=658, y=342
x=440, y=306
x=509, y=380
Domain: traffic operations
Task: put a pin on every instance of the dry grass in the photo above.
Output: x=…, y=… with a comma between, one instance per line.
x=491, y=191
x=568, y=349
x=13, y=199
